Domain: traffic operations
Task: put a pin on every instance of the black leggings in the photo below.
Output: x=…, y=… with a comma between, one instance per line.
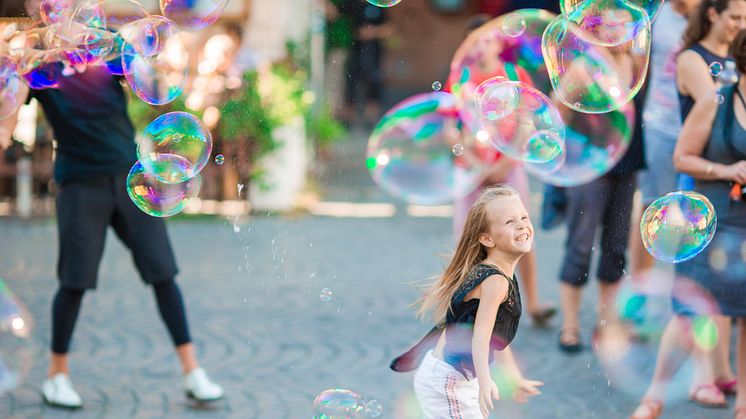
x=66, y=306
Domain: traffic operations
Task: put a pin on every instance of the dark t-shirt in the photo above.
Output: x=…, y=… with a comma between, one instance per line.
x=88, y=113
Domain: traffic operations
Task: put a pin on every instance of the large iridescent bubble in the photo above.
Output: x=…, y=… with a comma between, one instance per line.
x=607, y=22
x=159, y=78
x=175, y=134
x=10, y=84
x=490, y=52
x=158, y=198
x=193, y=15
x=594, y=144
x=522, y=122
x=592, y=78
x=677, y=226
x=410, y=152
x=42, y=69
x=16, y=355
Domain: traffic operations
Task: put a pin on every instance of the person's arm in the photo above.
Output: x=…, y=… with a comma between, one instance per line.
x=493, y=292
x=687, y=156
x=8, y=125
x=693, y=76
x=524, y=387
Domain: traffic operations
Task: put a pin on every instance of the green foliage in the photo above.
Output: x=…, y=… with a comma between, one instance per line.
x=244, y=116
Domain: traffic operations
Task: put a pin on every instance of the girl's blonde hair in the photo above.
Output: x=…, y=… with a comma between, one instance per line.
x=469, y=252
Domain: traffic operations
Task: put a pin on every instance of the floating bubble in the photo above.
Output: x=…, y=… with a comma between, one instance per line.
x=594, y=144
x=716, y=68
x=384, y=3
x=159, y=78
x=16, y=326
x=55, y=11
x=175, y=134
x=326, y=295
x=437, y=85
x=719, y=98
x=219, y=159
x=148, y=36
x=458, y=149
x=373, y=408
x=338, y=404
x=193, y=15
x=533, y=131
x=514, y=25
x=410, y=152
x=591, y=78
x=42, y=69
x=489, y=52
x=496, y=98
x=652, y=7
x=158, y=198
x=705, y=333
x=607, y=22
x=677, y=226
x=10, y=85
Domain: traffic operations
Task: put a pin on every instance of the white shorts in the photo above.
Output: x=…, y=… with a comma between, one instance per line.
x=443, y=393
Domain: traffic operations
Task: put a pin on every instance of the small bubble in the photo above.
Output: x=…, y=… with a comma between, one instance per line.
x=514, y=25
x=716, y=68
x=437, y=85
x=457, y=149
x=373, y=409
x=219, y=159
x=719, y=98
x=326, y=295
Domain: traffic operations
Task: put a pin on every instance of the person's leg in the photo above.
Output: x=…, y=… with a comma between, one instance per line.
x=741, y=366
x=641, y=261
x=171, y=308
x=614, y=238
x=65, y=309
x=719, y=357
x=584, y=211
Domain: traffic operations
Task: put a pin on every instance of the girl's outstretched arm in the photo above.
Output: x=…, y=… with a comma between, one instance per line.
x=492, y=293
x=523, y=387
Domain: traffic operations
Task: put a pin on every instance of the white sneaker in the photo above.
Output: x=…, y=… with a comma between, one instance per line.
x=198, y=386
x=58, y=391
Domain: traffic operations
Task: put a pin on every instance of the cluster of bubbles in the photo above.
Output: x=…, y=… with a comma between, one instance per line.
x=553, y=92
x=69, y=35
x=678, y=226
x=344, y=404
x=172, y=150
x=15, y=348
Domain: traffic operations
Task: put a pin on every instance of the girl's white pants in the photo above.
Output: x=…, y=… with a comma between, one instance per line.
x=444, y=393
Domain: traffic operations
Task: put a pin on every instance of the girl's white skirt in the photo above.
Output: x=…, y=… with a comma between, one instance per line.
x=443, y=393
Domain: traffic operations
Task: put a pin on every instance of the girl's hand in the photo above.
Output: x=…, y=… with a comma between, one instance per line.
x=736, y=172
x=487, y=392
x=525, y=389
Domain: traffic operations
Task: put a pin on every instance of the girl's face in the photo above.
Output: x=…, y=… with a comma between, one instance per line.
x=509, y=229
x=731, y=21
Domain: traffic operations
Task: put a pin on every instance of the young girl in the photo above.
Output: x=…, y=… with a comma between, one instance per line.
x=476, y=306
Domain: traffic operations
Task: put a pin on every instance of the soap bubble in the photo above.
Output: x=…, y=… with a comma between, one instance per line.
x=10, y=85
x=159, y=78
x=338, y=404
x=677, y=226
x=488, y=52
x=437, y=85
x=591, y=78
x=326, y=295
x=651, y=7
x=716, y=68
x=594, y=144
x=607, y=22
x=157, y=198
x=532, y=131
x=193, y=15
x=16, y=355
x=175, y=134
x=410, y=152
x=514, y=25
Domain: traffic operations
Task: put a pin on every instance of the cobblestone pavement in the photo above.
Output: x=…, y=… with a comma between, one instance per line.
x=252, y=288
